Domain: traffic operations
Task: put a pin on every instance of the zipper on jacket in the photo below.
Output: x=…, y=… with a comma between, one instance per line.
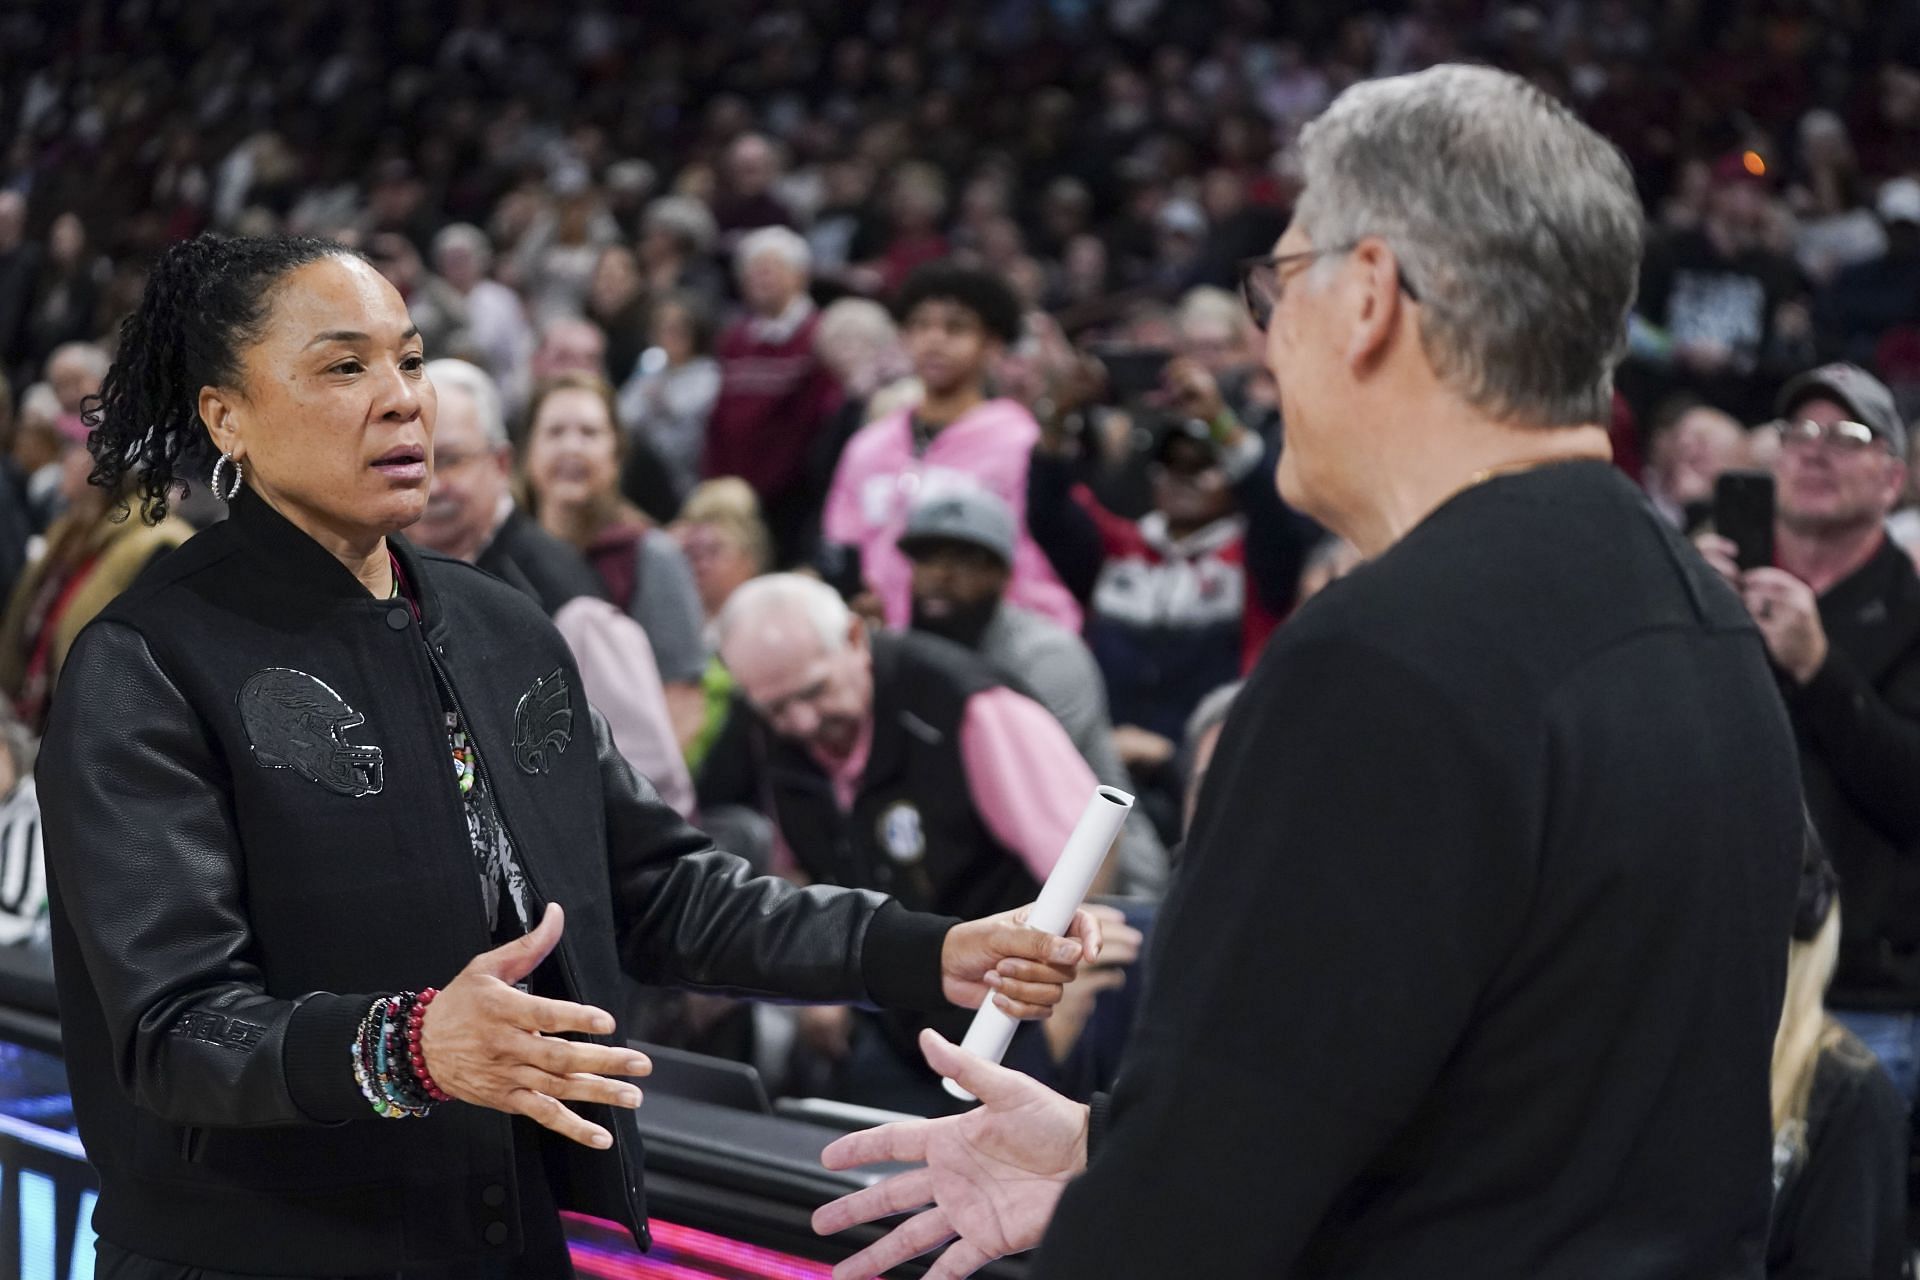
x=631, y=1171
x=506, y=823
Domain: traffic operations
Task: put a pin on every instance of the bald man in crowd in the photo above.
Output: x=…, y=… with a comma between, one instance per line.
x=895, y=762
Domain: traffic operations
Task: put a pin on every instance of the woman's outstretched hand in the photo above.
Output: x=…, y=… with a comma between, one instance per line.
x=491, y=1044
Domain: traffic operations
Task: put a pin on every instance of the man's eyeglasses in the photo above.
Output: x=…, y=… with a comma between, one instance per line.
x=1263, y=279
x=1842, y=437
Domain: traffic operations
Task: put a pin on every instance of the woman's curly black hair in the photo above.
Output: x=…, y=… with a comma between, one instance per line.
x=205, y=302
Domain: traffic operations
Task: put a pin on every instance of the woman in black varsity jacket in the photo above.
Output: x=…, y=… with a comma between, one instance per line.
x=303, y=774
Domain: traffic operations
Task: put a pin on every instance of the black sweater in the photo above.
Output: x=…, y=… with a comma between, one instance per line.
x=1474, y=965
x=1858, y=722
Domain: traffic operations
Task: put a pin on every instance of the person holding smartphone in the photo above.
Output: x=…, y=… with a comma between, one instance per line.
x=1840, y=610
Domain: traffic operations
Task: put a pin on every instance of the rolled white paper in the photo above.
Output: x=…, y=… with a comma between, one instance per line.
x=1060, y=897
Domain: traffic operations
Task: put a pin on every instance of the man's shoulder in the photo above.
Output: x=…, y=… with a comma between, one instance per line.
x=917, y=661
x=1018, y=637
x=527, y=556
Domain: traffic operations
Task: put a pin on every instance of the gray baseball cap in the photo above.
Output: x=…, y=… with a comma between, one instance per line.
x=1853, y=389
x=961, y=513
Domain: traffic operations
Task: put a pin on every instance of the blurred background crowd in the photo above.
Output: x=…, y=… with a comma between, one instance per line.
x=940, y=305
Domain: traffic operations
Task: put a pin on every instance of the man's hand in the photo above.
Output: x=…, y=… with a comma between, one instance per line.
x=1788, y=615
x=1783, y=607
x=1192, y=390
x=1024, y=969
x=1141, y=748
x=1720, y=555
x=487, y=1043
x=992, y=1176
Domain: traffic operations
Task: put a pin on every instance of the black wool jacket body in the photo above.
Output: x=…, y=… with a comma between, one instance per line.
x=253, y=829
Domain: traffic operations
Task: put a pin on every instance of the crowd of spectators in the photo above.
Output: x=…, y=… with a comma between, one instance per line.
x=937, y=302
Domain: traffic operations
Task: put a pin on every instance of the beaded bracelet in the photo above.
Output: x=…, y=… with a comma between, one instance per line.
x=382, y=1062
x=394, y=1078
x=416, y=1058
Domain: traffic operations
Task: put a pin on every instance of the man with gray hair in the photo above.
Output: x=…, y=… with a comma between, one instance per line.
x=471, y=516
x=775, y=394
x=1474, y=962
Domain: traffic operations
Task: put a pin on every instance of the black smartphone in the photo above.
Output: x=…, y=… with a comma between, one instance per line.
x=1743, y=514
x=1132, y=372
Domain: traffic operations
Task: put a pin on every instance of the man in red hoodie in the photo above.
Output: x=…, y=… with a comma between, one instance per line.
x=775, y=394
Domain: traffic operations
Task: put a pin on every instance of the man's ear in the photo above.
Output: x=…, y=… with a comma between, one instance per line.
x=1371, y=291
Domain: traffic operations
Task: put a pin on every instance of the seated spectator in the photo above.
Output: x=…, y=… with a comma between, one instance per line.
x=961, y=541
x=1866, y=300
x=19, y=271
x=1840, y=615
x=38, y=445
x=66, y=300
x=557, y=255
x=675, y=383
x=572, y=460
x=617, y=302
x=916, y=201
x=470, y=515
x=860, y=345
x=728, y=545
x=1839, y=1125
x=725, y=540
x=497, y=326
x=776, y=397
x=956, y=322
x=746, y=200
x=23, y=867
x=569, y=344
x=859, y=740
x=1730, y=306
x=677, y=236
x=91, y=556
x=438, y=309
x=1691, y=445
x=1183, y=598
x=1836, y=227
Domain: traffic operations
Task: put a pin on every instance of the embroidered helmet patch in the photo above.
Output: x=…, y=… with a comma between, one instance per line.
x=295, y=721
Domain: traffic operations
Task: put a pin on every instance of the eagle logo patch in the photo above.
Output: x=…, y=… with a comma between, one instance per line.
x=543, y=723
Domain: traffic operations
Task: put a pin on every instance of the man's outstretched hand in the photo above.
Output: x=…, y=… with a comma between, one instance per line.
x=992, y=1178
x=1021, y=966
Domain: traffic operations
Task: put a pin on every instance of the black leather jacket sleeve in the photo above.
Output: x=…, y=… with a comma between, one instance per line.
x=689, y=915
x=145, y=869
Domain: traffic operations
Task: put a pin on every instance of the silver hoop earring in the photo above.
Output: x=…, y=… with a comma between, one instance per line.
x=238, y=473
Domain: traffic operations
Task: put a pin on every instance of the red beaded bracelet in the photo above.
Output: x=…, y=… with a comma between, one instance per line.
x=416, y=1018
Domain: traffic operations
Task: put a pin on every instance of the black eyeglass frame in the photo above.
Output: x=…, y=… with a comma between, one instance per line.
x=1261, y=299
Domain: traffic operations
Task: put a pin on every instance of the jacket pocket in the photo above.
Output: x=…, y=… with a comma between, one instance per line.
x=193, y=1142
